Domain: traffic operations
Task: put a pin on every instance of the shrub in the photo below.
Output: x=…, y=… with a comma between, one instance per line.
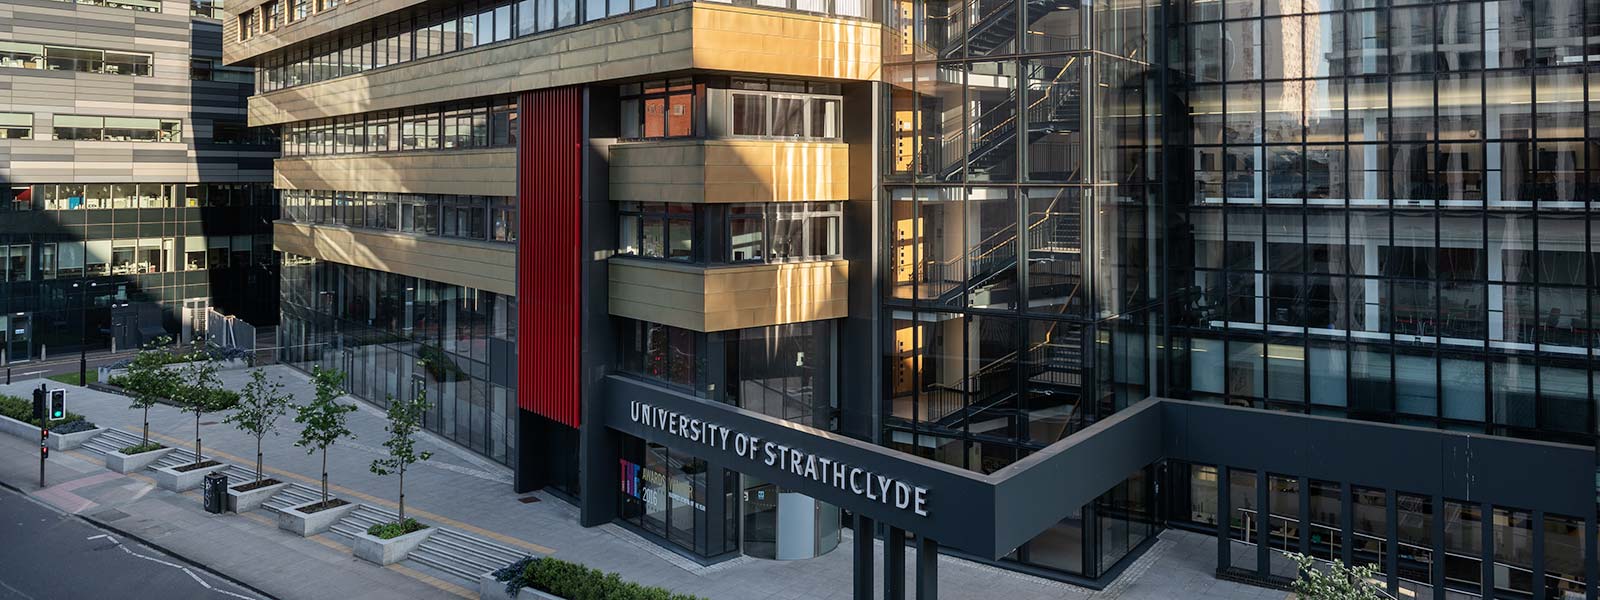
x=22, y=410
x=577, y=582
x=391, y=530
x=142, y=448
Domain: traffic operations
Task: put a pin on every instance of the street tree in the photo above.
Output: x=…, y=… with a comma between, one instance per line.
x=1335, y=582
x=405, y=420
x=260, y=405
x=200, y=391
x=149, y=381
x=323, y=419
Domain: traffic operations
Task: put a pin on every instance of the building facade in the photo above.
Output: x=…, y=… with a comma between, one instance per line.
x=135, y=194
x=1025, y=282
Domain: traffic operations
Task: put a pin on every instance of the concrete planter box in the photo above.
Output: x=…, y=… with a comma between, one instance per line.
x=374, y=549
x=239, y=502
x=62, y=442
x=307, y=525
x=130, y=463
x=170, y=478
x=19, y=429
x=58, y=441
x=489, y=589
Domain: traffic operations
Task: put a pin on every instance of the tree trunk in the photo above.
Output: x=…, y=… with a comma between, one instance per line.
x=402, y=495
x=258, y=460
x=324, y=476
x=197, y=458
x=146, y=440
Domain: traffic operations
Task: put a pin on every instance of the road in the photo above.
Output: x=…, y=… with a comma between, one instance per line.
x=61, y=365
x=48, y=556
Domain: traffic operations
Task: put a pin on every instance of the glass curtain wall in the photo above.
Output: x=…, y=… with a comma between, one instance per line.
x=1021, y=227
x=1389, y=216
x=395, y=336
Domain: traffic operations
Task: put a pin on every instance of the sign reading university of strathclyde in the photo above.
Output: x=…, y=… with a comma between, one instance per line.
x=827, y=471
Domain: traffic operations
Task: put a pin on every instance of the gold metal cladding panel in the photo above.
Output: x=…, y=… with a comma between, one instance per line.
x=665, y=40
x=717, y=171
x=486, y=266
x=466, y=172
x=721, y=298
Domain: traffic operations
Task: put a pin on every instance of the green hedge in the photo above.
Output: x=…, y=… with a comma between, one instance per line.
x=577, y=582
x=22, y=410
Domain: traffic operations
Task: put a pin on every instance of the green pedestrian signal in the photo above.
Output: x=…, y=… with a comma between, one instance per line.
x=58, y=405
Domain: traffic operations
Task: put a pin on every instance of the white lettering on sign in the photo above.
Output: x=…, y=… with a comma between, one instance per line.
x=876, y=487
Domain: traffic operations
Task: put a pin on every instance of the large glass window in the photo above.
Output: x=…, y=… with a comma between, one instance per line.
x=660, y=109
x=472, y=217
x=21, y=55
x=481, y=123
x=657, y=229
x=797, y=231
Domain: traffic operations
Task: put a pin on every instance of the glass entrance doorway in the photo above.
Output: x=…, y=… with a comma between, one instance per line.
x=785, y=525
x=18, y=336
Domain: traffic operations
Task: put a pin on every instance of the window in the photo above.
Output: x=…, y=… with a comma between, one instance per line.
x=658, y=109
x=138, y=5
x=469, y=124
x=784, y=232
x=117, y=129
x=473, y=217
x=19, y=55
x=21, y=199
x=765, y=114
x=271, y=15
x=247, y=24
x=504, y=215
x=199, y=69
x=206, y=8
x=15, y=267
x=299, y=9
x=662, y=352
x=657, y=230
x=16, y=126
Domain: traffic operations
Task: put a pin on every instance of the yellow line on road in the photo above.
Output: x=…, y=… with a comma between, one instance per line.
x=343, y=491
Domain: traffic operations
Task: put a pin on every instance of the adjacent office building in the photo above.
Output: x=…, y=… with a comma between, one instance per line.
x=135, y=196
x=1024, y=282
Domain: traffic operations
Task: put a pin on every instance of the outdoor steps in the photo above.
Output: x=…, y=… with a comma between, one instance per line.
x=447, y=550
x=111, y=440
x=291, y=495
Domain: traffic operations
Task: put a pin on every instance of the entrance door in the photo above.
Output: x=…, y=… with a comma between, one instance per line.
x=19, y=335
x=194, y=319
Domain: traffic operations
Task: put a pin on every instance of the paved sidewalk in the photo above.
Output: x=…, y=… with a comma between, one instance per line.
x=247, y=548
x=462, y=490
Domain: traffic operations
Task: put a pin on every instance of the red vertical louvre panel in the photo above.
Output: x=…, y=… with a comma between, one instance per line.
x=549, y=184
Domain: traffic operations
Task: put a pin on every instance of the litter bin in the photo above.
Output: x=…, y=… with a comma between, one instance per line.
x=215, y=491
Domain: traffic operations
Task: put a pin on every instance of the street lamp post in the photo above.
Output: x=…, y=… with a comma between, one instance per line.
x=83, y=333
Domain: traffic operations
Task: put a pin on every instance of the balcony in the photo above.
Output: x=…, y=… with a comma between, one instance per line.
x=726, y=297
x=727, y=171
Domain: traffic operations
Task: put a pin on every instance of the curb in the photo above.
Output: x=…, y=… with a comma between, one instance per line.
x=164, y=550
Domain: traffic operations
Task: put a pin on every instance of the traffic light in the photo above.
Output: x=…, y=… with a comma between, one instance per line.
x=58, y=405
x=38, y=404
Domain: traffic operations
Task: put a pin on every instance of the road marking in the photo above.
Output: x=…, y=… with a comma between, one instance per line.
x=441, y=519
x=179, y=567
x=16, y=591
